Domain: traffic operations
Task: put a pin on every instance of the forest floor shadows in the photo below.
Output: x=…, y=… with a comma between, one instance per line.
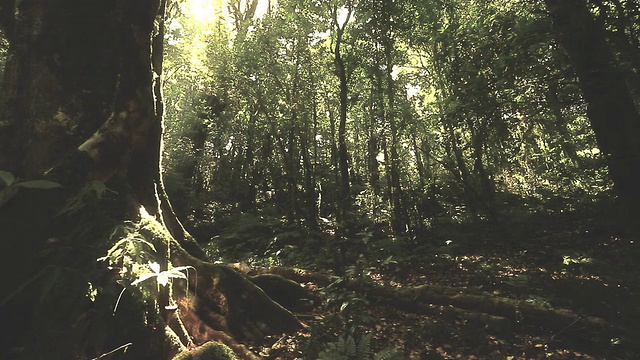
x=554, y=286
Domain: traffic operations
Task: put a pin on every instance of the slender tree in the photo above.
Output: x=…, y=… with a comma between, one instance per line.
x=342, y=73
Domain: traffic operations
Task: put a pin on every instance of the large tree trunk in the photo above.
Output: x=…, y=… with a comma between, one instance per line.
x=83, y=109
x=611, y=110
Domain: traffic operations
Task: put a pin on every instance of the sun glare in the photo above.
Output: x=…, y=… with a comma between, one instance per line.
x=262, y=8
x=206, y=11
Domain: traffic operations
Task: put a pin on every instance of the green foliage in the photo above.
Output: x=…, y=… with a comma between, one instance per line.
x=130, y=247
x=9, y=181
x=6, y=177
x=245, y=234
x=9, y=185
x=90, y=194
x=39, y=184
x=388, y=354
x=580, y=259
x=210, y=351
x=480, y=106
x=348, y=320
x=134, y=256
x=347, y=348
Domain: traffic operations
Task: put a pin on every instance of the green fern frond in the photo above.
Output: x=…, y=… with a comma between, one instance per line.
x=364, y=347
x=389, y=354
x=350, y=346
x=333, y=353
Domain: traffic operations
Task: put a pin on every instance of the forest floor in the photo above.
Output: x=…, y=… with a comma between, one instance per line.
x=578, y=262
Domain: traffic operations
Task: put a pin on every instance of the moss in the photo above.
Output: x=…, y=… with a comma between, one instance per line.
x=208, y=351
x=152, y=227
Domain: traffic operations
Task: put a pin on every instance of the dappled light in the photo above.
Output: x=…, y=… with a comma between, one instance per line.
x=320, y=179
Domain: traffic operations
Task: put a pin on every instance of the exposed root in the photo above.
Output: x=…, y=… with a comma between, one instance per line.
x=222, y=305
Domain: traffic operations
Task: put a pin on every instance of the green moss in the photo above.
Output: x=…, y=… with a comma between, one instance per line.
x=208, y=351
x=152, y=227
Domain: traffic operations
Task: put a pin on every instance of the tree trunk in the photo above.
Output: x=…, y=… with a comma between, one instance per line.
x=398, y=221
x=343, y=154
x=373, y=148
x=310, y=211
x=486, y=193
x=611, y=110
x=84, y=111
x=248, y=199
x=461, y=170
x=334, y=203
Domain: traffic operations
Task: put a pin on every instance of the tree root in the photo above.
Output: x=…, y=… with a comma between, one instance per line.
x=516, y=311
x=500, y=314
x=222, y=305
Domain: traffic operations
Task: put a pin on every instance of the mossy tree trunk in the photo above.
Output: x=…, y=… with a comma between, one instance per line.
x=80, y=106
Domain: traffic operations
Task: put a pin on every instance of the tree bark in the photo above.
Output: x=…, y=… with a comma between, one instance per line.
x=343, y=154
x=64, y=122
x=398, y=219
x=613, y=115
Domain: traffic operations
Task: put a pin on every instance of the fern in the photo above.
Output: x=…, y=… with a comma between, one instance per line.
x=364, y=347
x=389, y=354
x=350, y=347
x=347, y=348
x=335, y=351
